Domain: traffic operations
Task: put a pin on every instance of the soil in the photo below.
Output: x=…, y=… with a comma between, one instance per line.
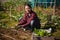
x=13, y=34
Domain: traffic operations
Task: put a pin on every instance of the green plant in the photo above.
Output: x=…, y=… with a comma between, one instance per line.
x=56, y=21
x=41, y=32
x=16, y=15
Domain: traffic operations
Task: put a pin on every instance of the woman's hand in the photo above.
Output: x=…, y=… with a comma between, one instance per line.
x=22, y=25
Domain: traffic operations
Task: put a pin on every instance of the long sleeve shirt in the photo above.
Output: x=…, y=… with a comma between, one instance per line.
x=27, y=18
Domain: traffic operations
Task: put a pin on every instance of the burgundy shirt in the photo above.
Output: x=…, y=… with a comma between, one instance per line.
x=27, y=18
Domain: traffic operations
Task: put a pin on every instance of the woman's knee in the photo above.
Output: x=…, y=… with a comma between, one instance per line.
x=32, y=23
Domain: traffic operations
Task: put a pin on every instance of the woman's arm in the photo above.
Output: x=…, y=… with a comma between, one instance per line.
x=29, y=20
x=22, y=21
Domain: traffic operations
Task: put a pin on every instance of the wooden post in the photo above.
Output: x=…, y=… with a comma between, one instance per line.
x=54, y=7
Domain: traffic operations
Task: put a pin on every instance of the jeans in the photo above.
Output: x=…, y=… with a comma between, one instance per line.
x=33, y=24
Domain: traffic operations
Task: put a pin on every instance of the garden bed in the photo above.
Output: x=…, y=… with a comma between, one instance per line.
x=12, y=34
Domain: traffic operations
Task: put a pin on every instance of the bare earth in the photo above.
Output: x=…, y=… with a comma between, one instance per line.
x=12, y=34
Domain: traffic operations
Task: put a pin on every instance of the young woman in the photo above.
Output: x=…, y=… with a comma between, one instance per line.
x=30, y=19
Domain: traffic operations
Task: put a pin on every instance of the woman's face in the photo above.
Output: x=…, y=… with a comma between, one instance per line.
x=27, y=9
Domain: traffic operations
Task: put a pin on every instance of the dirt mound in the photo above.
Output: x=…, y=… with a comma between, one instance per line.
x=12, y=34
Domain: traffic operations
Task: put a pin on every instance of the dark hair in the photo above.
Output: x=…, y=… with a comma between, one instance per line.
x=28, y=5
